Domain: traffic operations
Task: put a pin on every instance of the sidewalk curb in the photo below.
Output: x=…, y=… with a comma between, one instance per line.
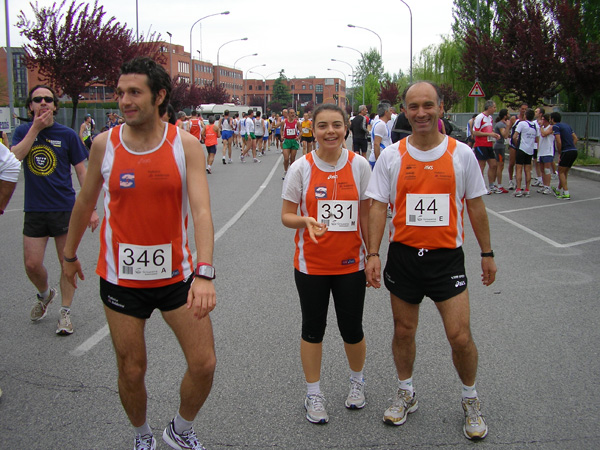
x=586, y=173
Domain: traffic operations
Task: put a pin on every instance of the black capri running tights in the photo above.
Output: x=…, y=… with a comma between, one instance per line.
x=348, y=298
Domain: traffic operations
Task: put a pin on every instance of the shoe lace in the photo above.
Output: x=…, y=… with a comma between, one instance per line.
x=356, y=387
x=143, y=442
x=472, y=411
x=317, y=401
x=400, y=402
x=191, y=440
x=66, y=319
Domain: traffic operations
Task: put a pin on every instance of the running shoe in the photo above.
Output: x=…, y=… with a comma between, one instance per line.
x=185, y=441
x=242, y=158
x=256, y=160
x=554, y=176
x=65, y=327
x=518, y=193
x=208, y=170
x=547, y=190
x=475, y=426
x=501, y=190
x=526, y=193
x=145, y=442
x=536, y=182
x=511, y=185
x=40, y=309
x=315, y=408
x=224, y=161
x=556, y=192
x=229, y=161
x=356, y=397
x=403, y=405
x=564, y=197
x=284, y=174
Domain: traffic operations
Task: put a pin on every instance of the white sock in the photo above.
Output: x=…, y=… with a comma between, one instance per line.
x=469, y=391
x=407, y=385
x=45, y=294
x=313, y=388
x=143, y=430
x=181, y=425
x=357, y=375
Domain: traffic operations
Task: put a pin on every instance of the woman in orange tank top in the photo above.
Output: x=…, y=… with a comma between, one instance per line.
x=328, y=186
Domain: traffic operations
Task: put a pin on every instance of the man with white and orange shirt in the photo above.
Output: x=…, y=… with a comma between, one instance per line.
x=427, y=177
x=483, y=130
x=146, y=263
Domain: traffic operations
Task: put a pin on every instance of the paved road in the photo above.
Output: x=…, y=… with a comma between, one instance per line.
x=536, y=329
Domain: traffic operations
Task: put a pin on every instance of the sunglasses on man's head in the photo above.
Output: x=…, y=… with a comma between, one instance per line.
x=46, y=99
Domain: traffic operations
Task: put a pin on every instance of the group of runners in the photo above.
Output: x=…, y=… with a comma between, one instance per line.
x=333, y=197
x=534, y=139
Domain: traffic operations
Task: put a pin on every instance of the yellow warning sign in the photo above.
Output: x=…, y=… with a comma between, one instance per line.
x=476, y=90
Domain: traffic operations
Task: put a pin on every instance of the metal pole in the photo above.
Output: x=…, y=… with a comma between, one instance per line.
x=191, y=53
x=170, y=56
x=9, y=66
x=411, y=39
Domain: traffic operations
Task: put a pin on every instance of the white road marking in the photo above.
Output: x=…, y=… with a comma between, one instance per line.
x=97, y=337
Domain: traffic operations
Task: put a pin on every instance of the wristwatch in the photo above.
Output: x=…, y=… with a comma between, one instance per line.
x=488, y=254
x=205, y=270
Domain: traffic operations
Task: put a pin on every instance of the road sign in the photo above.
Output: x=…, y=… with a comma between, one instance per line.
x=476, y=90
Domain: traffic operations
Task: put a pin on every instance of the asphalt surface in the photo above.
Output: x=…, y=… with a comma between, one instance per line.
x=536, y=329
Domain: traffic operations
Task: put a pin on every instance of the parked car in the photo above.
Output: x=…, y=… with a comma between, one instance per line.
x=458, y=133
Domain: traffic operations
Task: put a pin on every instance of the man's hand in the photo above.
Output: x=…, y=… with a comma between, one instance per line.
x=202, y=297
x=94, y=221
x=43, y=120
x=488, y=267
x=373, y=272
x=72, y=269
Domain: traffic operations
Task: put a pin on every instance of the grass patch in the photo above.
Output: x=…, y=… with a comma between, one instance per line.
x=586, y=160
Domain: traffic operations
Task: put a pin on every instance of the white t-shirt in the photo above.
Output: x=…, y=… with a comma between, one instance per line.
x=469, y=181
x=380, y=129
x=249, y=122
x=294, y=185
x=546, y=147
x=10, y=166
x=528, y=131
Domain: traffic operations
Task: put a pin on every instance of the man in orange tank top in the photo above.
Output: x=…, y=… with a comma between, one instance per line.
x=427, y=177
x=144, y=263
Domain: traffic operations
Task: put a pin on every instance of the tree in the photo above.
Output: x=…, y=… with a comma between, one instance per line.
x=256, y=100
x=518, y=60
x=580, y=55
x=179, y=94
x=74, y=50
x=464, y=13
x=449, y=96
x=209, y=93
x=390, y=92
x=369, y=64
x=281, y=92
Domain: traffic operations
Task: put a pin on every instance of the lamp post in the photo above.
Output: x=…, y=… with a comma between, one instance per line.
x=351, y=75
x=380, y=41
x=363, y=57
x=247, y=71
x=191, y=28
x=199, y=59
x=345, y=82
x=218, y=65
x=170, y=56
x=264, y=90
x=236, y=61
x=411, y=37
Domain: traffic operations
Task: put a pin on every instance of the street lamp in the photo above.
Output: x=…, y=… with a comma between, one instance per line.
x=345, y=82
x=411, y=37
x=363, y=58
x=264, y=89
x=218, y=65
x=247, y=71
x=170, y=56
x=236, y=61
x=352, y=75
x=380, y=41
x=191, y=28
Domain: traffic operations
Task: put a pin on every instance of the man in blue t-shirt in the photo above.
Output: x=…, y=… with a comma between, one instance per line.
x=565, y=141
x=48, y=150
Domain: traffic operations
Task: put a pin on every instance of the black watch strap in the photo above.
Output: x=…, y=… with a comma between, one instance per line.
x=487, y=254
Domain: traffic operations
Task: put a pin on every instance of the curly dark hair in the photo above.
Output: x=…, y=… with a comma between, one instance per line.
x=158, y=78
